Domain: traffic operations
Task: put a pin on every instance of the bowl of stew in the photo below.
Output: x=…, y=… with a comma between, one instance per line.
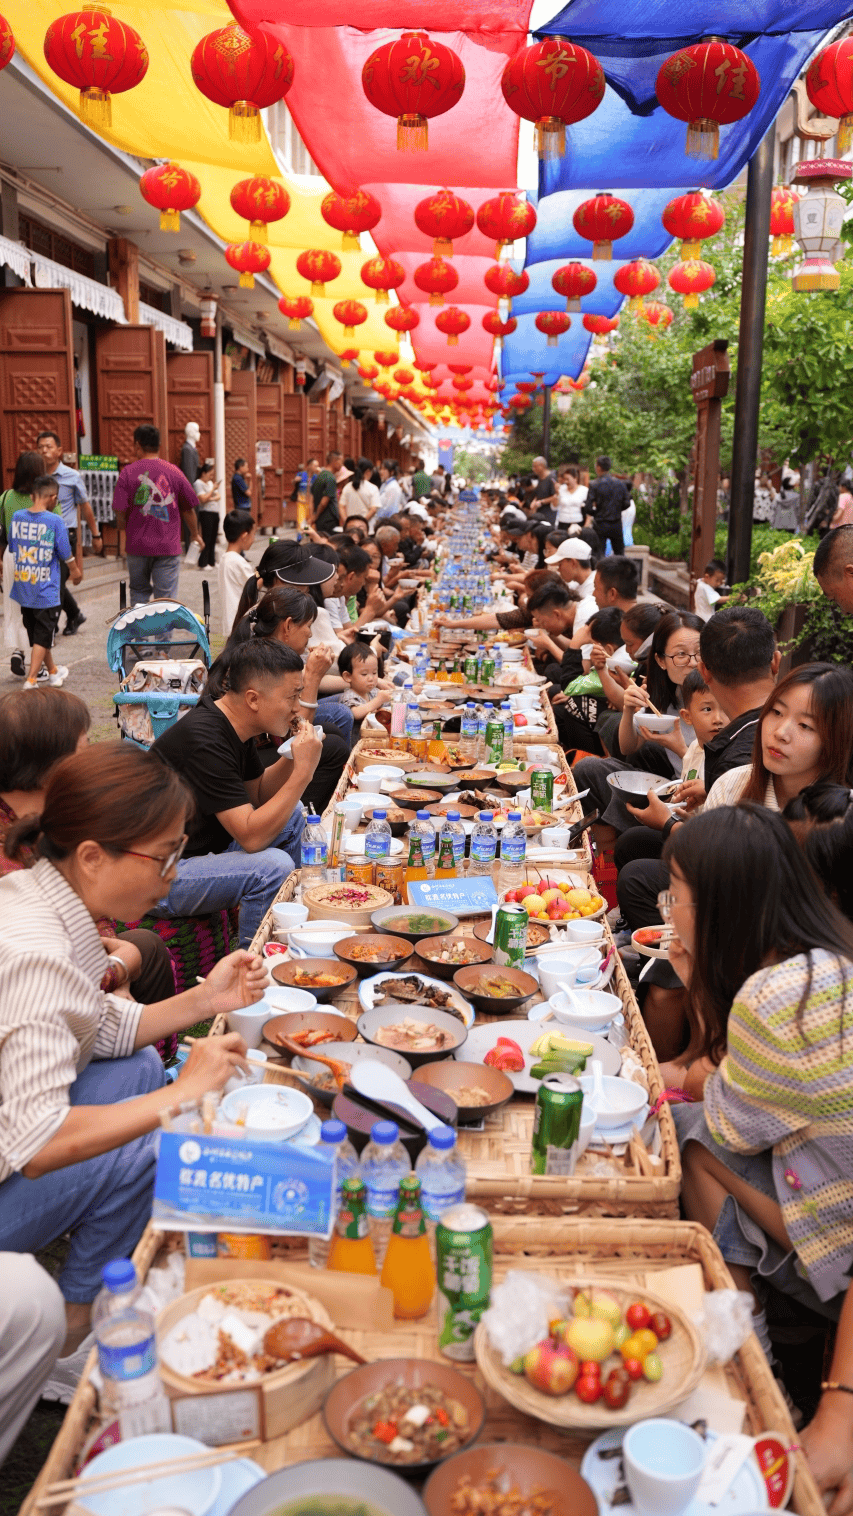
x=375, y=1413
x=413, y=922
x=371, y=951
x=417, y=1031
x=495, y=989
x=323, y=977
x=447, y=954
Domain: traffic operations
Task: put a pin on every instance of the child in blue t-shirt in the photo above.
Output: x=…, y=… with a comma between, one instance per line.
x=38, y=542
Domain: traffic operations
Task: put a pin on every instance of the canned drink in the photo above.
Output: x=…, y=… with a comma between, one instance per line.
x=463, y=1250
x=243, y=1245
x=470, y=670
x=510, y=936
x=467, y=602
x=542, y=790
x=388, y=875
x=556, y=1125
x=358, y=870
x=487, y=671
x=495, y=734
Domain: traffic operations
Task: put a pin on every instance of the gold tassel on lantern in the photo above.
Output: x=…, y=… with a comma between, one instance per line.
x=690, y=250
x=552, y=342
x=351, y=242
x=703, y=139
x=551, y=137
x=247, y=280
x=845, y=135
x=453, y=340
x=412, y=134
x=602, y=252
x=317, y=288
x=294, y=324
x=244, y=122
x=170, y=221
x=782, y=246
x=96, y=108
x=382, y=297
x=436, y=298
x=691, y=301
x=349, y=331
x=442, y=247
x=258, y=232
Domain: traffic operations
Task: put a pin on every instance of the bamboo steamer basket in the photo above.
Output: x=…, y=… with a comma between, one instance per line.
x=316, y=895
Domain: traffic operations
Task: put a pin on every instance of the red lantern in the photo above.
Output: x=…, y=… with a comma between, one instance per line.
x=460, y=368
x=553, y=324
x=520, y=402
x=387, y=360
x=504, y=282
x=656, y=314
x=527, y=386
x=782, y=203
x=432, y=383
x=413, y=79
x=452, y=323
x=351, y=214
x=348, y=356
x=580, y=383
x=691, y=279
x=462, y=384
x=693, y=218
x=506, y=218
x=368, y=372
x=350, y=313
x=320, y=266
x=404, y=376
x=437, y=278
x=244, y=71
x=829, y=86
x=497, y=328
x=636, y=280
x=170, y=189
x=7, y=43
x=554, y=83
x=600, y=325
x=708, y=85
x=260, y=200
x=574, y=281
x=382, y=275
x=297, y=308
x=444, y=216
x=249, y=259
x=603, y=220
x=99, y=56
x=402, y=318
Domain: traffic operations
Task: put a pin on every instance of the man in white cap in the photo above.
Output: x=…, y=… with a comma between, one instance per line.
x=574, y=560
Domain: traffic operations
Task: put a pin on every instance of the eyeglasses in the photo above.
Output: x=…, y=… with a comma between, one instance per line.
x=667, y=903
x=681, y=660
x=166, y=863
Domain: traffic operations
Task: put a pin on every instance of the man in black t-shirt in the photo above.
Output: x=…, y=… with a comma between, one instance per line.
x=245, y=836
x=543, y=500
x=606, y=499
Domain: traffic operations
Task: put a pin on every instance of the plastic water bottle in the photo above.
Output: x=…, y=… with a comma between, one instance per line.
x=384, y=1162
x=452, y=827
x=498, y=658
x=127, y=1345
x=377, y=838
x=398, y=715
x=442, y=1174
x=428, y=847
x=509, y=730
x=333, y=1139
x=315, y=849
x=484, y=844
x=513, y=852
x=421, y=664
x=470, y=732
x=482, y=723
x=481, y=653
x=414, y=725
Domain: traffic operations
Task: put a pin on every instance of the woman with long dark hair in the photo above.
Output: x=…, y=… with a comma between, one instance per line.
x=674, y=650
x=359, y=496
x=821, y=818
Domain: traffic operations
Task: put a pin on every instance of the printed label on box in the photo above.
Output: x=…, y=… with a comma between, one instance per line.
x=252, y=1186
x=462, y=897
x=221, y=1417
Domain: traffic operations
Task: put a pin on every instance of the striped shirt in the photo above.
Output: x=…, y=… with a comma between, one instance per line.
x=54, y=1019
x=729, y=788
x=787, y=1086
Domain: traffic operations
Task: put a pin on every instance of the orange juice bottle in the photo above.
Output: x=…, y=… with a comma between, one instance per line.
x=351, y=1248
x=408, y=1271
x=416, y=867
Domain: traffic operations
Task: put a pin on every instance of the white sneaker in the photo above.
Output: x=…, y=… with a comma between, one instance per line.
x=59, y=677
x=66, y=1373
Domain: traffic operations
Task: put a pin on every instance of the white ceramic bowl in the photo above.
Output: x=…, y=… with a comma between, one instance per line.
x=568, y=967
x=316, y=939
x=622, y=1100
x=654, y=723
x=352, y=810
x=556, y=836
x=369, y=798
x=287, y=914
x=250, y=1020
x=584, y=932
x=286, y=998
x=587, y=1127
x=371, y=777
x=512, y=654
x=598, y=1009
x=268, y=1112
x=197, y=1491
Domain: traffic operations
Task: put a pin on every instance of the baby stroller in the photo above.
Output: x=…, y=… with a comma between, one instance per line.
x=162, y=653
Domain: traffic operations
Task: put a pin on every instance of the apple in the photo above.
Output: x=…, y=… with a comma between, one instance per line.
x=637, y=1316
x=511, y=897
x=551, y=1367
x=660, y=1325
x=534, y=905
x=600, y=1304
x=590, y=1338
x=524, y=890
x=653, y=1368
x=549, y=895
x=616, y=1392
x=554, y=913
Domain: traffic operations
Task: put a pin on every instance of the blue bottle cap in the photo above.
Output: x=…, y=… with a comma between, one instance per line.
x=379, y=815
x=422, y=815
x=453, y=815
x=333, y=1131
x=119, y=1275
x=515, y=815
x=312, y=820
x=442, y=1137
x=486, y=815
x=384, y=1132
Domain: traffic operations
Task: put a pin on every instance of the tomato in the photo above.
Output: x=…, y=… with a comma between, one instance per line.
x=653, y=1368
x=590, y=1369
x=637, y=1316
x=588, y=1388
x=648, y=1342
x=616, y=1392
x=634, y=1368
x=661, y=1326
x=649, y=936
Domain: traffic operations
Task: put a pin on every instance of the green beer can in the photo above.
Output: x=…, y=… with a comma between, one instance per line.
x=556, y=1125
x=495, y=735
x=470, y=670
x=510, y=943
x=542, y=790
x=463, y=1251
x=487, y=671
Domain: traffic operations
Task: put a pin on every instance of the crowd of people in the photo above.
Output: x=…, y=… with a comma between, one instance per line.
x=742, y=848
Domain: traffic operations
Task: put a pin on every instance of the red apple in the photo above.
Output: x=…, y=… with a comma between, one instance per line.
x=551, y=1367
x=511, y=897
x=524, y=890
x=637, y=1316
x=661, y=1325
x=616, y=1391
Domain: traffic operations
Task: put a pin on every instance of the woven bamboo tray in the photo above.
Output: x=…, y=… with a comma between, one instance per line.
x=632, y=1249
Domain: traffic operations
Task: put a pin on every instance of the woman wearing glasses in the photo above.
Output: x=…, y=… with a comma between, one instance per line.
x=81, y=1088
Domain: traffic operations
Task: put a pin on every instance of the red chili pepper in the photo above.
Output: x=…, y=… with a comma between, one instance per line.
x=385, y=1431
x=442, y=1417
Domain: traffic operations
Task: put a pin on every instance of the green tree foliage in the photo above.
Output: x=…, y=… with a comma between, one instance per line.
x=472, y=465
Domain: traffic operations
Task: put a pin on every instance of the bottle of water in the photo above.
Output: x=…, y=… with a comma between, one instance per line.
x=414, y=725
x=481, y=653
x=384, y=1162
x=377, y=838
x=482, y=723
x=509, y=730
x=498, y=657
x=484, y=844
x=470, y=732
x=315, y=849
x=513, y=852
x=422, y=663
x=441, y=1171
x=398, y=715
x=427, y=832
x=127, y=1345
x=334, y=1140
x=452, y=827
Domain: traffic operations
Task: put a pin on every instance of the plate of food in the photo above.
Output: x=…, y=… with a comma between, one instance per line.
x=397, y=1391
x=415, y=989
x=652, y=941
x=324, y=1083
x=476, y=1089
x=369, y=951
x=495, y=990
x=447, y=954
x=417, y=1032
x=514, y=1048
x=538, y=933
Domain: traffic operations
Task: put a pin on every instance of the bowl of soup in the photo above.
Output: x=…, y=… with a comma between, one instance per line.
x=369, y=952
x=420, y=1033
x=331, y=1487
x=414, y=922
x=322, y=977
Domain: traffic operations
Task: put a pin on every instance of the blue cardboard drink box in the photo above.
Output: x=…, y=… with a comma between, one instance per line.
x=212, y=1183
